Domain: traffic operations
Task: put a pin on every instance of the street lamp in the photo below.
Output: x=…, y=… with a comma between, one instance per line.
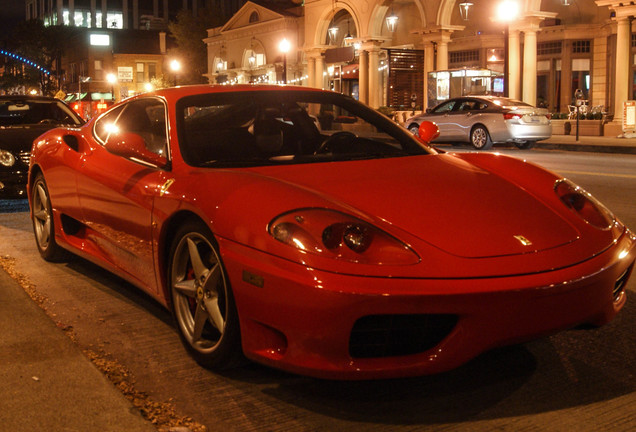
x=464, y=8
x=175, y=67
x=391, y=21
x=284, y=47
x=507, y=11
x=112, y=79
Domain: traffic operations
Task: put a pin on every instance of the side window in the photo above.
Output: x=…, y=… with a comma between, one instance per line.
x=105, y=125
x=144, y=117
x=448, y=106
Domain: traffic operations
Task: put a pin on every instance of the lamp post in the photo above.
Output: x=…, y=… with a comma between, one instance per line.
x=284, y=47
x=507, y=11
x=175, y=67
x=112, y=79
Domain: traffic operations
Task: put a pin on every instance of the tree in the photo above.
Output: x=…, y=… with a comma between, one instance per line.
x=39, y=44
x=188, y=33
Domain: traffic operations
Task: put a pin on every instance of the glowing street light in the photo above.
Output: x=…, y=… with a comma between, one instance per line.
x=284, y=46
x=391, y=21
x=175, y=67
x=507, y=11
x=112, y=79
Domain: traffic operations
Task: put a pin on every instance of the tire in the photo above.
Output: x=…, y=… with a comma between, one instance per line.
x=414, y=129
x=43, y=223
x=526, y=145
x=202, y=301
x=479, y=138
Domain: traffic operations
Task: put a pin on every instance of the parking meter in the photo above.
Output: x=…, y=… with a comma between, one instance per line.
x=578, y=101
x=578, y=97
x=413, y=101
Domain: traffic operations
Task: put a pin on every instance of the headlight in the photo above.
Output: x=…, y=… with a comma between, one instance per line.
x=584, y=204
x=340, y=236
x=6, y=158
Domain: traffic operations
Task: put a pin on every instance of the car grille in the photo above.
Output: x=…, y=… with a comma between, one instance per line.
x=619, y=286
x=25, y=156
x=396, y=335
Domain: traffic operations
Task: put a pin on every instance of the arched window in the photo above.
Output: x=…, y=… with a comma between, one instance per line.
x=254, y=17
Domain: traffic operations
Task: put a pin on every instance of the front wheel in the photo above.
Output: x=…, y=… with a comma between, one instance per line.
x=202, y=301
x=414, y=129
x=480, y=139
x=43, y=225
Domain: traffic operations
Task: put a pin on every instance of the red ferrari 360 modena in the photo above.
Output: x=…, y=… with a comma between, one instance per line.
x=305, y=231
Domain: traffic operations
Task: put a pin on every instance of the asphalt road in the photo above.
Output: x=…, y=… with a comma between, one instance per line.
x=576, y=380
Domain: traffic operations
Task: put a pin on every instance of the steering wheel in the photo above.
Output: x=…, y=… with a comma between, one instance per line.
x=47, y=121
x=337, y=138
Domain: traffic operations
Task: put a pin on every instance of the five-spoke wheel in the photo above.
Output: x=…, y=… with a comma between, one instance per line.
x=203, y=304
x=43, y=226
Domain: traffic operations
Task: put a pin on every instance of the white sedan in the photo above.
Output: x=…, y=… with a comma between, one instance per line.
x=485, y=120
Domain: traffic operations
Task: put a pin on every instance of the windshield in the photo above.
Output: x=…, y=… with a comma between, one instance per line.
x=282, y=127
x=19, y=112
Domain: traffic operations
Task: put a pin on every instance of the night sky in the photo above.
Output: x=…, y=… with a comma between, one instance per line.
x=11, y=12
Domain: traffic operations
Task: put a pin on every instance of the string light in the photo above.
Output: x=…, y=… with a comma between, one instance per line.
x=25, y=60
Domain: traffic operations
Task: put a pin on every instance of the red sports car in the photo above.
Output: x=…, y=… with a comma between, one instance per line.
x=303, y=230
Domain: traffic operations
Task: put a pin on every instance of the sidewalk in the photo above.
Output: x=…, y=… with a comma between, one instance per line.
x=46, y=383
x=589, y=143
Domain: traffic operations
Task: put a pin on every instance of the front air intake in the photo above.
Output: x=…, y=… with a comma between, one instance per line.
x=396, y=335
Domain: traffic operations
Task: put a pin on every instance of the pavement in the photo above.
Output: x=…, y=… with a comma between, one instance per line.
x=595, y=144
x=37, y=392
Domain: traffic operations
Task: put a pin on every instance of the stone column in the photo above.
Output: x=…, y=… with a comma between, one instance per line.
x=530, y=67
x=374, y=77
x=319, y=79
x=442, y=55
x=363, y=77
x=514, y=62
x=429, y=66
x=311, y=72
x=621, y=80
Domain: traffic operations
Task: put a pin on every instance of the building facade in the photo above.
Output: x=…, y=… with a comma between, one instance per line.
x=547, y=50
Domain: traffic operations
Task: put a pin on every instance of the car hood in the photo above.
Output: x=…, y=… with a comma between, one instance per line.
x=21, y=137
x=443, y=200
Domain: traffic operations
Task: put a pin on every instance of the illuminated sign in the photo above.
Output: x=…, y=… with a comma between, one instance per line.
x=97, y=39
x=125, y=73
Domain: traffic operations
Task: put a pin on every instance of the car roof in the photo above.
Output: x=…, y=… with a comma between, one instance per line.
x=189, y=90
x=28, y=97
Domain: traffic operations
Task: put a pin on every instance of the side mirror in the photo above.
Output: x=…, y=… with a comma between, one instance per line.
x=132, y=146
x=427, y=132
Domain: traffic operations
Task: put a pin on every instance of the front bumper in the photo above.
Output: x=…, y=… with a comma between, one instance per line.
x=301, y=320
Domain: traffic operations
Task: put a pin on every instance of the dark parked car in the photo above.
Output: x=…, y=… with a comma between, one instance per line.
x=485, y=120
x=22, y=120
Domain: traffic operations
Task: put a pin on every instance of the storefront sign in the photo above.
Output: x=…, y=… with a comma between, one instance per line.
x=125, y=74
x=629, y=116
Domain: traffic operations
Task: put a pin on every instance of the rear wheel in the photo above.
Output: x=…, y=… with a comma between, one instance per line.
x=202, y=301
x=480, y=139
x=43, y=225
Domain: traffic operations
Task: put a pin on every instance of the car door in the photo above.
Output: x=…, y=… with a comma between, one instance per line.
x=444, y=116
x=467, y=113
x=117, y=193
